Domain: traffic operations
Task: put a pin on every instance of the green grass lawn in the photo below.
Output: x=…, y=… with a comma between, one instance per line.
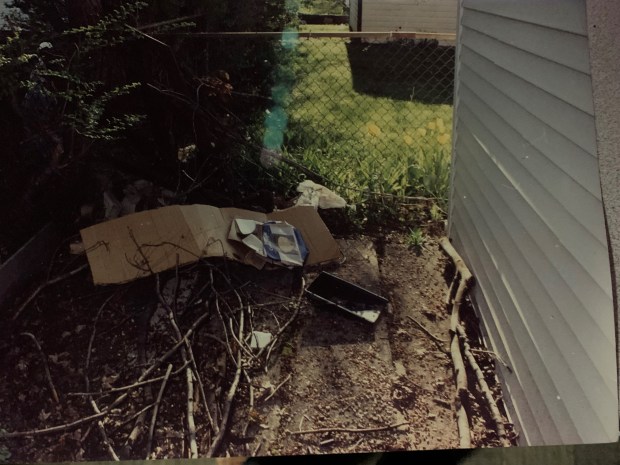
x=358, y=125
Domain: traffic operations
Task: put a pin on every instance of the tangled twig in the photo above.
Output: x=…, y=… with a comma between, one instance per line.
x=229, y=397
x=191, y=425
x=46, y=367
x=297, y=307
x=435, y=339
x=54, y=429
x=466, y=279
x=50, y=282
x=350, y=430
x=278, y=387
x=100, y=426
x=484, y=388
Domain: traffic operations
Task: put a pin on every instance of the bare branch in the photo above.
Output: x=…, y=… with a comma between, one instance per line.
x=278, y=387
x=38, y=290
x=349, y=430
x=46, y=367
x=54, y=429
x=149, y=444
x=229, y=397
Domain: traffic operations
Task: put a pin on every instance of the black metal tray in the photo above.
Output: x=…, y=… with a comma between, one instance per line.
x=353, y=299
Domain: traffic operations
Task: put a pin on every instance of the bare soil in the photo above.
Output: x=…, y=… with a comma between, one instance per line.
x=366, y=387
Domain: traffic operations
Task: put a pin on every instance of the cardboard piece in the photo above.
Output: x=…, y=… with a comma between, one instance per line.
x=132, y=246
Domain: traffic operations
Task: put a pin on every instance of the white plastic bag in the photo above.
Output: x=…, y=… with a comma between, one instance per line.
x=318, y=196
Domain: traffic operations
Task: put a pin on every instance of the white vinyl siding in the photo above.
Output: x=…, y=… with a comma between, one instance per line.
x=353, y=15
x=408, y=16
x=526, y=214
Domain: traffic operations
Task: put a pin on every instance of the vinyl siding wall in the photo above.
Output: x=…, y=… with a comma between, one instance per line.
x=526, y=214
x=353, y=14
x=412, y=15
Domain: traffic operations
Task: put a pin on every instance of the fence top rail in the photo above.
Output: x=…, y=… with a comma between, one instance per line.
x=310, y=35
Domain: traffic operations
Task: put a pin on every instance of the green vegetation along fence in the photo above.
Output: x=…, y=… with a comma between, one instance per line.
x=369, y=113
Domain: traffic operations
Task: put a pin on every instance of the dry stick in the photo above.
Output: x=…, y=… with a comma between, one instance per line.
x=130, y=386
x=288, y=323
x=53, y=429
x=251, y=406
x=350, y=430
x=461, y=268
x=149, y=444
x=48, y=375
x=484, y=388
x=43, y=286
x=353, y=448
x=455, y=350
x=104, y=435
x=229, y=397
x=191, y=425
x=100, y=426
x=132, y=418
x=278, y=387
x=219, y=313
x=461, y=382
x=494, y=354
x=188, y=355
x=301, y=422
x=138, y=428
x=190, y=377
x=451, y=289
x=466, y=279
x=185, y=340
x=434, y=338
x=161, y=360
x=241, y=345
x=255, y=451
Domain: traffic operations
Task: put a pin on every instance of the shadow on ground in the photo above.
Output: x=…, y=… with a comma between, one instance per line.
x=412, y=70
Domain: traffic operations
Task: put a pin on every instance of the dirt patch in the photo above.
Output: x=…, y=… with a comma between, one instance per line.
x=329, y=383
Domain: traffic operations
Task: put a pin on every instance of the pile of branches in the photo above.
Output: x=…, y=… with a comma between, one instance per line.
x=194, y=349
x=460, y=349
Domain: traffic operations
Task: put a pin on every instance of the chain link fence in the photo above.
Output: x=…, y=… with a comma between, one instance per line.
x=373, y=116
x=368, y=113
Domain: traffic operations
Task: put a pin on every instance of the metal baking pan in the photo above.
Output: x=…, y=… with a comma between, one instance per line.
x=333, y=291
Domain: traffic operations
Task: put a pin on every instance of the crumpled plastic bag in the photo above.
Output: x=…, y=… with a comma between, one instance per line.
x=318, y=196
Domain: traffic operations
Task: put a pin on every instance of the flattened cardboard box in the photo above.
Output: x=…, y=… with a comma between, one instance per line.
x=189, y=232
